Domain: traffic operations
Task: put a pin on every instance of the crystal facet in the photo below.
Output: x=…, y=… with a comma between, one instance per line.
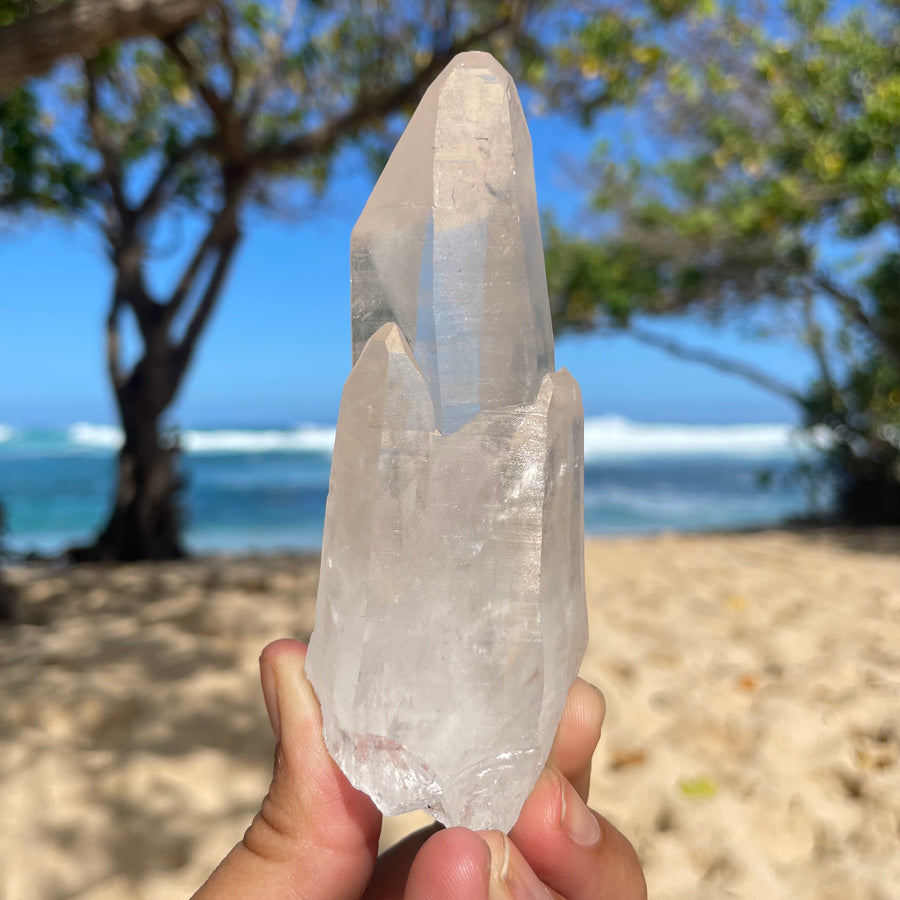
x=451, y=618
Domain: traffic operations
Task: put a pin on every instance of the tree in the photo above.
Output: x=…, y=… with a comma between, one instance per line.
x=33, y=37
x=224, y=116
x=773, y=200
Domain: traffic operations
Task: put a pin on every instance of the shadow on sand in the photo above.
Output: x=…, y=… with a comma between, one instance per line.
x=132, y=718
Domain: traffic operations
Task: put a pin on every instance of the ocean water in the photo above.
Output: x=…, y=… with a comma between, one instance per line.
x=265, y=489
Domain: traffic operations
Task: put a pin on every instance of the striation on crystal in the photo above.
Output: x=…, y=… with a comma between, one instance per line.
x=450, y=619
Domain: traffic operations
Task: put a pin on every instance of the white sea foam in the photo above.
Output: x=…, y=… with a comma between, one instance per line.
x=83, y=434
x=308, y=438
x=615, y=436
x=7, y=432
x=605, y=437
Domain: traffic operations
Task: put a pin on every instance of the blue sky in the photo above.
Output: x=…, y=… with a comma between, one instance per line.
x=278, y=349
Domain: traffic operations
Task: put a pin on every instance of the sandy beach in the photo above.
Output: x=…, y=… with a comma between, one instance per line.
x=751, y=748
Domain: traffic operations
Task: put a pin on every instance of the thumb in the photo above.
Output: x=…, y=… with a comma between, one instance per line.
x=315, y=836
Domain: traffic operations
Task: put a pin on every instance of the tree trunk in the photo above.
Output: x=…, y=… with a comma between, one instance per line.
x=145, y=521
x=869, y=490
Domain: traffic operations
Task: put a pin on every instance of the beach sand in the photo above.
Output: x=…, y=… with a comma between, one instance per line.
x=750, y=748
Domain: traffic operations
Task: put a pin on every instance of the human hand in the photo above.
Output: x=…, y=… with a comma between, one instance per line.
x=316, y=837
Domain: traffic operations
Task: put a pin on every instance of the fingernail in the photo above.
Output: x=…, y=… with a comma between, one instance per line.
x=602, y=697
x=580, y=823
x=508, y=881
x=270, y=695
x=486, y=862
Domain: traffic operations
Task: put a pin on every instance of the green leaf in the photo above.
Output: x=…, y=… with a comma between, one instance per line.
x=700, y=788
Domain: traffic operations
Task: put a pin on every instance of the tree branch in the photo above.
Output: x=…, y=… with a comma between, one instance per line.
x=227, y=48
x=222, y=239
x=156, y=193
x=187, y=344
x=854, y=309
x=113, y=357
x=270, y=64
x=110, y=175
x=372, y=107
x=815, y=337
x=217, y=105
x=715, y=361
x=851, y=305
x=215, y=234
x=895, y=212
x=81, y=27
x=130, y=289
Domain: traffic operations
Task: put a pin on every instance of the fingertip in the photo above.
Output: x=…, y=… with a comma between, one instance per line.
x=297, y=711
x=593, y=697
x=283, y=647
x=578, y=734
x=453, y=863
x=572, y=849
x=586, y=709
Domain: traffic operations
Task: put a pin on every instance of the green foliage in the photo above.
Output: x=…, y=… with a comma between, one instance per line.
x=34, y=172
x=777, y=193
x=582, y=271
x=609, y=55
x=13, y=10
x=280, y=88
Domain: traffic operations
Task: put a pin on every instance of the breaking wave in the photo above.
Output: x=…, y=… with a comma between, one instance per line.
x=82, y=434
x=605, y=438
x=305, y=438
x=616, y=436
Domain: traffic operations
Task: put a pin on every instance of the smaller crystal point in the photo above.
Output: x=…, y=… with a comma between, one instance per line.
x=451, y=618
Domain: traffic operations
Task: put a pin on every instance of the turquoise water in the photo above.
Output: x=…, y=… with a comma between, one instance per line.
x=258, y=489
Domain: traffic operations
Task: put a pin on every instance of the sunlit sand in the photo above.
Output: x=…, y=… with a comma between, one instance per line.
x=750, y=748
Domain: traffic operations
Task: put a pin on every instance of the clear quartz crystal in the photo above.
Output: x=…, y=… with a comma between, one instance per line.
x=451, y=617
